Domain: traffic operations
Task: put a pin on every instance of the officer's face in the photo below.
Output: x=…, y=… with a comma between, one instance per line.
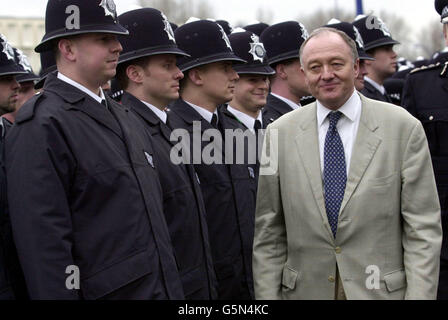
x=26, y=91
x=385, y=63
x=251, y=92
x=9, y=89
x=161, y=79
x=329, y=69
x=359, y=81
x=295, y=79
x=96, y=56
x=218, y=81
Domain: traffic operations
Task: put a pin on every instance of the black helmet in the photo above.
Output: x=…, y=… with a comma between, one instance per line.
x=442, y=9
x=350, y=30
x=283, y=40
x=374, y=32
x=8, y=64
x=206, y=42
x=256, y=28
x=22, y=60
x=150, y=33
x=226, y=26
x=71, y=17
x=247, y=46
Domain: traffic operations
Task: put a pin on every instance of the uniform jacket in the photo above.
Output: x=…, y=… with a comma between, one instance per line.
x=389, y=219
x=371, y=92
x=275, y=108
x=12, y=282
x=82, y=193
x=425, y=96
x=229, y=205
x=183, y=207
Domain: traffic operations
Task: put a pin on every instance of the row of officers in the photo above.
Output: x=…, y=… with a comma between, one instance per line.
x=93, y=205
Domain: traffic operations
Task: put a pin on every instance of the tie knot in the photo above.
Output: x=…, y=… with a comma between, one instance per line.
x=257, y=125
x=334, y=118
x=214, y=121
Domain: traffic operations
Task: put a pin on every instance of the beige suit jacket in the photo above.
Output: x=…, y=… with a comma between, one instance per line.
x=389, y=234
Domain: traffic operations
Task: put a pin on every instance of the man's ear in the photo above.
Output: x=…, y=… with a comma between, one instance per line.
x=195, y=76
x=134, y=73
x=356, y=68
x=280, y=71
x=67, y=49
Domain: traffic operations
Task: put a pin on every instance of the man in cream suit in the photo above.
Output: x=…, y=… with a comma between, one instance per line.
x=347, y=205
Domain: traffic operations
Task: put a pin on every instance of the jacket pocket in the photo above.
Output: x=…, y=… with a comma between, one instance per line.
x=395, y=280
x=289, y=277
x=116, y=276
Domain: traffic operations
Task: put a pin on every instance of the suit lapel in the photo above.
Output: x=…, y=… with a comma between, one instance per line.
x=307, y=142
x=364, y=148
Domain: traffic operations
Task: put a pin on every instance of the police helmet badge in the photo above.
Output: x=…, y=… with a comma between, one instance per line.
x=168, y=29
x=303, y=31
x=7, y=49
x=109, y=8
x=257, y=48
x=383, y=27
x=358, y=38
x=224, y=36
x=23, y=61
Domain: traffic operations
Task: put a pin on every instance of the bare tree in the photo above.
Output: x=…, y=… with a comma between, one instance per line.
x=430, y=39
x=263, y=15
x=178, y=11
x=321, y=17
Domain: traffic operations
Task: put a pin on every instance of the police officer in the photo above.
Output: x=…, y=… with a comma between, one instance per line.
x=48, y=65
x=209, y=82
x=11, y=277
x=282, y=42
x=424, y=95
x=90, y=223
x=150, y=78
x=350, y=30
x=378, y=43
x=251, y=91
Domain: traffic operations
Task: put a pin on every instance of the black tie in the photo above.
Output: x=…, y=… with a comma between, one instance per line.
x=257, y=125
x=104, y=103
x=214, y=121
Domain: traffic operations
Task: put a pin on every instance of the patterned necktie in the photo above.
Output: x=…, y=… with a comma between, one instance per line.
x=335, y=175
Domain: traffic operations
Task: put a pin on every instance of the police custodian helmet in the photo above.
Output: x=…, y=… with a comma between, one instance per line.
x=65, y=18
x=247, y=46
x=206, y=42
x=442, y=9
x=8, y=64
x=283, y=40
x=150, y=33
x=374, y=32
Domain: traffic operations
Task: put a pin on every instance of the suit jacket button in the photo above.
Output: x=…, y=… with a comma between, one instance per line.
x=338, y=250
x=331, y=279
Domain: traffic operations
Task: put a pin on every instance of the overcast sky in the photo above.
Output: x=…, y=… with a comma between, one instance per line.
x=417, y=12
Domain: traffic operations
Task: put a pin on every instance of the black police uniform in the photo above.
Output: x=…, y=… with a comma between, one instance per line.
x=12, y=285
x=182, y=199
x=228, y=202
x=425, y=95
x=92, y=200
x=282, y=42
x=373, y=93
x=88, y=198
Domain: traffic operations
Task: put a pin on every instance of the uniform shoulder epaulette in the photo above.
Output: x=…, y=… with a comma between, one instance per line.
x=428, y=67
x=27, y=111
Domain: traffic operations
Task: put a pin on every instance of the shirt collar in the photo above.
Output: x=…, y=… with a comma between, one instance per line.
x=247, y=120
x=99, y=98
x=159, y=113
x=207, y=115
x=349, y=109
x=292, y=104
x=2, y=127
x=379, y=87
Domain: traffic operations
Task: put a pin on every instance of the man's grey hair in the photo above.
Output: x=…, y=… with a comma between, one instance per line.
x=349, y=41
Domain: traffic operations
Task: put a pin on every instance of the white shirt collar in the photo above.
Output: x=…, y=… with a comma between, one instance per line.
x=292, y=104
x=82, y=88
x=159, y=113
x=207, y=115
x=247, y=120
x=379, y=87
x=350, y=109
